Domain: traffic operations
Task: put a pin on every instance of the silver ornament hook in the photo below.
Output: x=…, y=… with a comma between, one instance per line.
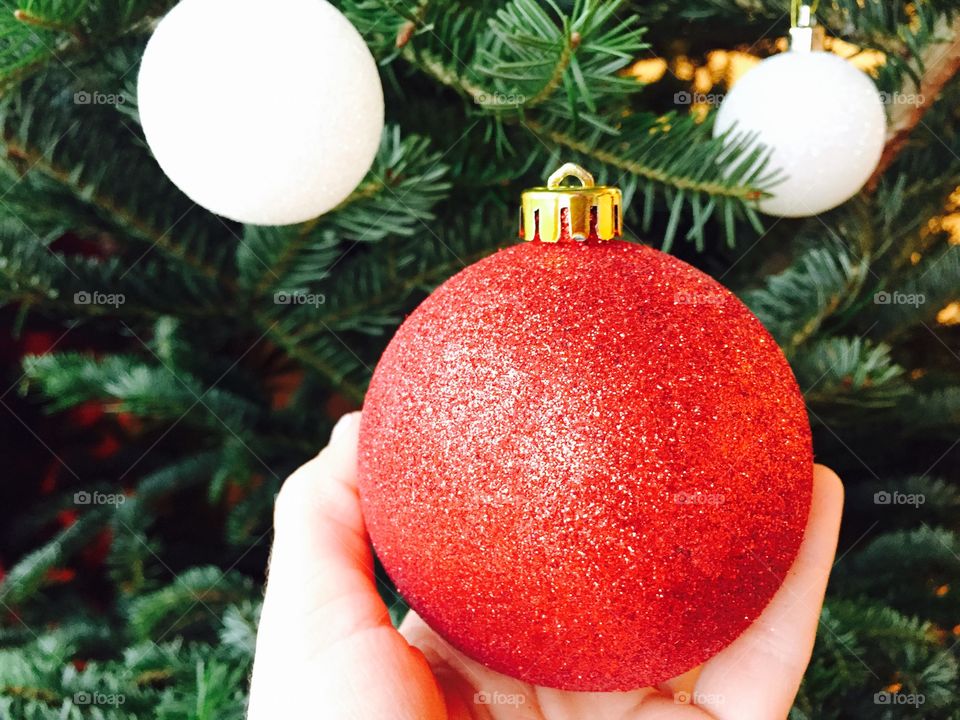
x=802, y=22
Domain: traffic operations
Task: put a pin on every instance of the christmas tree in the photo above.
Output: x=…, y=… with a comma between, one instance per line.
x=158, y=387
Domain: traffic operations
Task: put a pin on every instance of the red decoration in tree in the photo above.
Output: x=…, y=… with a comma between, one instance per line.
x=107, y=447
x=586, y=465
x=60, y=575
x=96, y=552
x=37, y=342
x=86, y=414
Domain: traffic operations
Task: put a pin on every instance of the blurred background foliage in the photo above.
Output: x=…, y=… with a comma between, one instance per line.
x=189, y=403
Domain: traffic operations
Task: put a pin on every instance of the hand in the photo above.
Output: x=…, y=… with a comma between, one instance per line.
x=326, y=648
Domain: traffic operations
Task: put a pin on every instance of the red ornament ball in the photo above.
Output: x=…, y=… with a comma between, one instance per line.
x=585, y=465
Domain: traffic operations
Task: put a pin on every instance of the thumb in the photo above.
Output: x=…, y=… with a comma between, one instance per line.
x=324, y=627
x=321, y=585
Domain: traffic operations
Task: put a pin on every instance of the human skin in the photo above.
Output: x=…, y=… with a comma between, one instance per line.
x=326, y=647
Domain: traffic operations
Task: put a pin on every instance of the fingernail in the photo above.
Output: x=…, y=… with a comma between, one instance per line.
x=344, y=427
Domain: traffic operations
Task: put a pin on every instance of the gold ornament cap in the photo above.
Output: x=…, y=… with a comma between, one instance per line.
x=566, y=212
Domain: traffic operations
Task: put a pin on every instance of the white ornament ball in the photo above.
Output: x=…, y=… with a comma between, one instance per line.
x=264, y=112
x=822, y=120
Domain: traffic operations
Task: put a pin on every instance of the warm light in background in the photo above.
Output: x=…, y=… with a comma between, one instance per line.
x=950, y=315
x=724, y=67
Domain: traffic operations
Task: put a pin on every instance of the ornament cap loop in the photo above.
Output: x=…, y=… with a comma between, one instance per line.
x=570, y=170
x=560, y=212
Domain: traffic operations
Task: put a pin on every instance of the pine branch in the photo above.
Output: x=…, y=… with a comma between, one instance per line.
x=325, y=355
x=527, y=56
x=935, y=501
x=37, y=276
x=387, y=300
x=381, y=282
x=795, y=303
x=916, y=188
x=935, y=411
x=523, y=55
x=941, y=62
x=40, y=162
x=127, y=384
x=216, y=695
x=904, y=568
x=40, y=33
x=27, y=576
x=388, y=27
x=920, y=293
x=901, y=31
x=201, y=590
x=396, y=199
x=133, y=549
x=239, y=631
x=28, y=43
x=370, y=292
x=58, y=155
x=79, y=36
x=249, y=518
x=901, y=649
x=843, y=377
x=503, y=28
x=656, y=166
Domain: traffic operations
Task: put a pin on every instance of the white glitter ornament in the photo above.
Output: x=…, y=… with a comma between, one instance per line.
x=264, y=112
x=822, y=120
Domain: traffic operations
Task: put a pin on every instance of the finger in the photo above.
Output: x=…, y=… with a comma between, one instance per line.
x=681, y=685
x=321, y=568
x=471, y=689
x=474, y=691
x=323, y=625
x=757, y=677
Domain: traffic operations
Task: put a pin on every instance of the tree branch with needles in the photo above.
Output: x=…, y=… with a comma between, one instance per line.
x=941, y=63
